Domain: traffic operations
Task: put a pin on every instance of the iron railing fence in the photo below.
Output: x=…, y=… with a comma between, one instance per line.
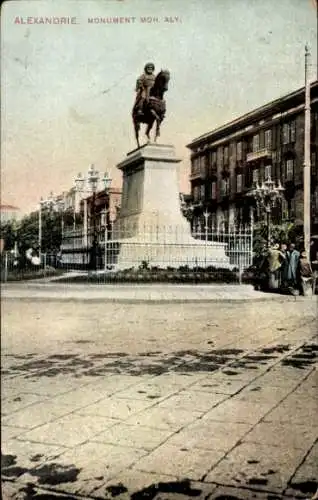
x=149, y=247
x=17, y=267
x=158, y=247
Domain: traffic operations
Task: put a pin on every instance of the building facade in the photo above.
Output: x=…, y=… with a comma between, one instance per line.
x=9, y=213
x=95, y=213
x=265, y=143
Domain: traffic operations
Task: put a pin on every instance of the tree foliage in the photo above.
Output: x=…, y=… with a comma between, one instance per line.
x=26, y=232
x=280, y=233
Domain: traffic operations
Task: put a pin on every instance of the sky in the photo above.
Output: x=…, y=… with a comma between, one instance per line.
x=67, y=89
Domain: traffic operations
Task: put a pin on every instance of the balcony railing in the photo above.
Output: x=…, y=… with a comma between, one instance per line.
x=197, y=174
x=257, y=155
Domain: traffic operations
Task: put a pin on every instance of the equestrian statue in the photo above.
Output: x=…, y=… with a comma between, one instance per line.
x=150, y=106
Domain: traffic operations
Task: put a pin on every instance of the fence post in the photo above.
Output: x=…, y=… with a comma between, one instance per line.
x=44, y=264
x=5, y=266
x=240, y=270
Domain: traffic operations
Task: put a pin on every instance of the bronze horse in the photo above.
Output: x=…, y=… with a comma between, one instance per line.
x=154, y=109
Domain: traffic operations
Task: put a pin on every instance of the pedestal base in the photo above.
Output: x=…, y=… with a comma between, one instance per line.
x=151, y=228
x=135, y=252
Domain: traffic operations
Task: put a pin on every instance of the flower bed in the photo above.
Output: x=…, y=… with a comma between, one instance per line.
x=155, y=275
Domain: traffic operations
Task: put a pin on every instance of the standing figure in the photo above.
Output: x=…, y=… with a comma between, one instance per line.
x=283, y=267
x=274, y=264
x=305, y=275
x=291, y=270
x=143, y=86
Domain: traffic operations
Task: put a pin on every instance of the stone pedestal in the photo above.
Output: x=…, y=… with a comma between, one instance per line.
x=151, y=227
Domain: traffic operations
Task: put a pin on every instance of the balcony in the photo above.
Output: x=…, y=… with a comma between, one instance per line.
x=197, y=174
x=258, y=155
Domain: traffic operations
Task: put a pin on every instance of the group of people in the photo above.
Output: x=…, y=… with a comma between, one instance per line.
x=286, y=269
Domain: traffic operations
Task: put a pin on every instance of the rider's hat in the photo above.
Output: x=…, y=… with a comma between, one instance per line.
x=149, y=64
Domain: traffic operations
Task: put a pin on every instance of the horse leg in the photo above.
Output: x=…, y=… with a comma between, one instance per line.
x=149, y=127
x=158, y=123
x=155, y=118
x=137, y=128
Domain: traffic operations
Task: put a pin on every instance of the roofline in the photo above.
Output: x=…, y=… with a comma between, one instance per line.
x=10, y=207
x=247, y=116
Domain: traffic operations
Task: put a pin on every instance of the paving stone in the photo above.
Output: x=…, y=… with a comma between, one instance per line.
x=305, y=482
x=244, y=375
x=19, y=401
x=163, y=418
x=284, y=376
x=36, y=414
x=80, y=397
x=234, y=410
x=116, y=408
x=182, y=379
x=209, y=435
x=259, y=393
x=228, y=493
x=9, y=432
x=70, y=430
x=135, y=437
x=113, y=384
x=253, y=465
x=284, y=435
x=98, y=464
x=149, y=391
x=47, y=386
x=190, y=463
x=133, y=481
x=191, y=399
x=19, y=457
x=294, y=412
x=219, y=383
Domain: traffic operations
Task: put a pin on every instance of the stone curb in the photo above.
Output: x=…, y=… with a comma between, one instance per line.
x=118, y=300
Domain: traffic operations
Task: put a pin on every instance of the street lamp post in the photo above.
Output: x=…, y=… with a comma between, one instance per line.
x=107, y=182
x=266, y=195
x=40, y=227
x=91, y=180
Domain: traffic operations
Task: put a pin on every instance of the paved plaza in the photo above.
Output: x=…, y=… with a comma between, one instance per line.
x=214, y=399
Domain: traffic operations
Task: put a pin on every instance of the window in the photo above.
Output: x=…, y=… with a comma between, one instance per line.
x=239, y=151
x=255, y=176
x=226, y=155
x=290, y=170
x=255, y=145
x=233, y=152
x=196, y=193
x=239, y=183
x=289, y=132
x=220, y=158
x=268, y=171
x=195, y=166
x=202, y=192
x=213, y=158
x=213, y=190
x=285, y=133
x=313, y=164
x=268, y=139
x=292, y=129
x=225, y=184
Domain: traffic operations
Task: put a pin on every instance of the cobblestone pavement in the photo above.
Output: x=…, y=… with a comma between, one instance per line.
x=213, y=401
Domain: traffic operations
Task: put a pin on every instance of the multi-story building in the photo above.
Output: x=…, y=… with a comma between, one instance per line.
x=95, y=213
x=9, y=213
x=267, y=142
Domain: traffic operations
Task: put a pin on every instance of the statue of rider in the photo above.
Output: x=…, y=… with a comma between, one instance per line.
x=143, y=85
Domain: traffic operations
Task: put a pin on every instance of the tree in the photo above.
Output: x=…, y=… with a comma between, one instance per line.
x=28, y=231
x=8, y=234
x=280, y=233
